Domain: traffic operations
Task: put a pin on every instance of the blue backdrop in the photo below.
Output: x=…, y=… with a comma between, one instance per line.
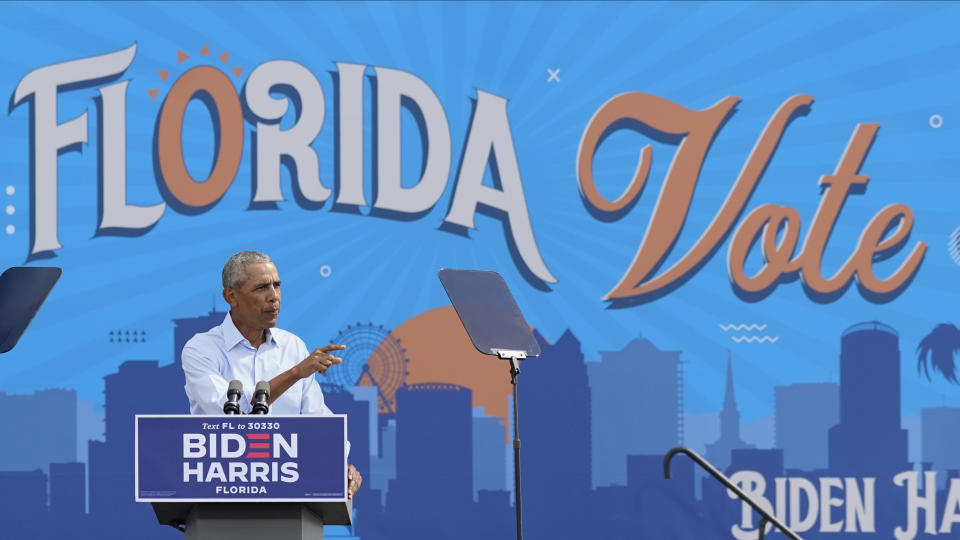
x=778, y=295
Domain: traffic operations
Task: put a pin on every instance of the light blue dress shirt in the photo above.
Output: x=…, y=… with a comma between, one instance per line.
x=213, y=358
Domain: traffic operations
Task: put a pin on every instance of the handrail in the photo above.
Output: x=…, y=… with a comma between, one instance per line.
x=765, y=516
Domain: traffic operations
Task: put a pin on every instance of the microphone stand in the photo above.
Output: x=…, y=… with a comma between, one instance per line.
x=260, y=398
x=235, y=390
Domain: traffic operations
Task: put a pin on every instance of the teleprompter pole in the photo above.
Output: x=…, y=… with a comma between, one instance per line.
x=515, y=357
x=496, y=327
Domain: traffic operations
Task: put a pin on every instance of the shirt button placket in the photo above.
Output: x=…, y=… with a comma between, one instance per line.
x=256, y=377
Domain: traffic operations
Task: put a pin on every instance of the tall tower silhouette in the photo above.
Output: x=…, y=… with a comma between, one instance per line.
x=555, y=432
x=719, y=452
x=869, y=441
x=869, y=403
x=434, y=460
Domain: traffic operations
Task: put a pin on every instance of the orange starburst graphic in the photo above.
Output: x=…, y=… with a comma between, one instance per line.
x=183, y=57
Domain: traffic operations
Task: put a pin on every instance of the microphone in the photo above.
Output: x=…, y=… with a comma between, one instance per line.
x=260, y=397
x=234, y=391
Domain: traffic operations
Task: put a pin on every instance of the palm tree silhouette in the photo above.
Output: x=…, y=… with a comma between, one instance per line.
x=938, y=349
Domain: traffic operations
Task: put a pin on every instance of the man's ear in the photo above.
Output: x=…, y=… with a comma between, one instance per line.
x=230, y=296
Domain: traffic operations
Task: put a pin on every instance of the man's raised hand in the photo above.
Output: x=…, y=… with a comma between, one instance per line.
x=319, y=361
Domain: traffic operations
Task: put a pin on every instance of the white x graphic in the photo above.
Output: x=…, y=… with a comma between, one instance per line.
x=553, y=75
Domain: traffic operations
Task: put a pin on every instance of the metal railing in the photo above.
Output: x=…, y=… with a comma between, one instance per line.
x=765, y=517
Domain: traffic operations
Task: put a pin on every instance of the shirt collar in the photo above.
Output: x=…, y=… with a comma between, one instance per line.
x=232, y=337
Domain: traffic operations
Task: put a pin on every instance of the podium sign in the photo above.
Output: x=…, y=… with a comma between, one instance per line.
x=244, y=458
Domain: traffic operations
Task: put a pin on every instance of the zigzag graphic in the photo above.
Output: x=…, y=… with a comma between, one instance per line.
x=755, y=339
x=743, y=327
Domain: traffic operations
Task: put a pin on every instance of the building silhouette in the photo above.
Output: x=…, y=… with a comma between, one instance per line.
x=23, y=503
x=868, y=440
x=342, y=401
x=663, y=508
x=869, y=403
x=68, y=490
x=941, y=440
x=718, y=452
x=449, y=470
x=766, y=461
x=112, y=460
x=434, y=461
x=636, y=407
x=383, y=467
x=138, y=387
x=489, y=465
x=804, y=413
x=183, y=330
x=494, y=516
x=50, y=417
x=555, y=428
x=369, y=395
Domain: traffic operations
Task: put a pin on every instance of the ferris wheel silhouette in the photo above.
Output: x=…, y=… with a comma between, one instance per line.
x=375, y=357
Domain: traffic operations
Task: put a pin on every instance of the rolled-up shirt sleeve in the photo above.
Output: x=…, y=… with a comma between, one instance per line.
x=205, y=387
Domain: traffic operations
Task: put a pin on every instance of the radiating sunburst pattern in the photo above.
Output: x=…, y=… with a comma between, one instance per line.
x=884, y=63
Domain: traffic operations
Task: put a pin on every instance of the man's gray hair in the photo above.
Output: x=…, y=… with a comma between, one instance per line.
x=235, y=271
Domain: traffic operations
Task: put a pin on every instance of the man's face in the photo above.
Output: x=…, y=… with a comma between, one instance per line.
x=255, y=303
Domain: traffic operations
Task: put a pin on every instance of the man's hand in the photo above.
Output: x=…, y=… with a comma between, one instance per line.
x=319, y=361
x=353, y=481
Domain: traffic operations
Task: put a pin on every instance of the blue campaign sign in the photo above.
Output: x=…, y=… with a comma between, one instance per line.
x=237, y=458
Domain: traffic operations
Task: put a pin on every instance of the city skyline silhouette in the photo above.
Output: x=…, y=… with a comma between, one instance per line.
x=438, y=443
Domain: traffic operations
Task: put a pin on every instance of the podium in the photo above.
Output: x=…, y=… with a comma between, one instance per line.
x=244, y=477
x=249, y=521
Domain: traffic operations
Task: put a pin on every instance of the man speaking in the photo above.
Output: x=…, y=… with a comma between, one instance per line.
x=248, y=348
